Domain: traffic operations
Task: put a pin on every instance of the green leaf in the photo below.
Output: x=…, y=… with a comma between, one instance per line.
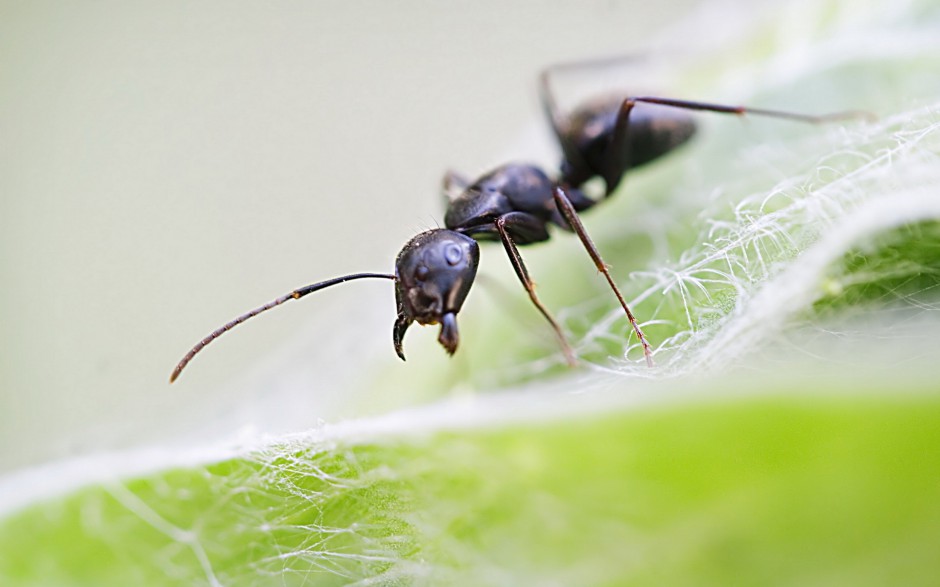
x=779, y=490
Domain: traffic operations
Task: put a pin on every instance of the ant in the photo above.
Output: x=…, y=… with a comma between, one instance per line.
x=515, y=203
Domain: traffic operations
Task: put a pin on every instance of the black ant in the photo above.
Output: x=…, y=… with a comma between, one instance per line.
x=515, y=203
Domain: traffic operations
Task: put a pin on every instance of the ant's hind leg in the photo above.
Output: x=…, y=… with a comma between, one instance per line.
x=567, y=209
x=743, y=110
x=617, y=158
x=528, y=223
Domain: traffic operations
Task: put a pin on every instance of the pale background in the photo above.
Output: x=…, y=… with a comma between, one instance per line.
x=165, y=166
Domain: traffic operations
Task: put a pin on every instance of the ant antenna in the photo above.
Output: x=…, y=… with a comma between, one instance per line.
x=294, y=295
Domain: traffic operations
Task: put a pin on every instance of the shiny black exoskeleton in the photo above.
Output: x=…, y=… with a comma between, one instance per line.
x=434, y=273
x=516, y=203
x=603, y=138
x=610, y=135
x=592, y=145
x=521, y=195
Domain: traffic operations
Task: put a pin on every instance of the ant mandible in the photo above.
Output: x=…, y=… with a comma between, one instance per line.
x=515, y=203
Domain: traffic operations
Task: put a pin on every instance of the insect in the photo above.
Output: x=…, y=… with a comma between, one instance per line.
x=515, y=204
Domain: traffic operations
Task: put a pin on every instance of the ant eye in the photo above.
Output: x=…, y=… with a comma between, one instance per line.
x=453, y=254
x=422, y=272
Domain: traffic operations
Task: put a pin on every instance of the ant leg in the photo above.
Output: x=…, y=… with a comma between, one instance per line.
x=556, y=118
x=528, y=222
x=558, y=121
x=614, y=167
x=453, y=185
x=742, y=110
x=567, y=209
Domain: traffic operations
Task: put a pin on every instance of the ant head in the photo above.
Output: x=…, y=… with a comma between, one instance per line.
x=435, y=270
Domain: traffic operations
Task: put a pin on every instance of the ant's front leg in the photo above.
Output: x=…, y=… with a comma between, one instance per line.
x=531, y=229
